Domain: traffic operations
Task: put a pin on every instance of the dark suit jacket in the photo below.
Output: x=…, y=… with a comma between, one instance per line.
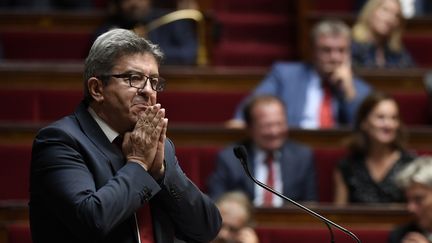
x=178, y=39
x=397, y=234
x=289, y=82
x=81, y=190
x=297, y=169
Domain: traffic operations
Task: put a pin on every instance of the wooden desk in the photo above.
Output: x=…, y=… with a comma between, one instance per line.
x=218, y=135
x=23, y=75
x=51, y=19
x=384, y=216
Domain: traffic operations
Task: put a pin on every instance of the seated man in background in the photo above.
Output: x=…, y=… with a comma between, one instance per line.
x=286, y=166
x=324, y=94
x=177, y=39
x=236, y=211
x=416, y=180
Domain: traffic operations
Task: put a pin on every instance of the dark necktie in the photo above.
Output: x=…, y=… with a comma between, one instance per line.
x=268, y=196
x=143, y=214
x=118, y=142
x=145, y=224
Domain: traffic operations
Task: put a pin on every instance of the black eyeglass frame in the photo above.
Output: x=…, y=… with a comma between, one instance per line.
x=158, y=86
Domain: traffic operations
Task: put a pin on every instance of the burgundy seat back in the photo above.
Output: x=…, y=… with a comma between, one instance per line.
x=326, y=160
x=18, y=233
x=14, y=175
x=45, y=45
x=414, y=107
x=200, y=107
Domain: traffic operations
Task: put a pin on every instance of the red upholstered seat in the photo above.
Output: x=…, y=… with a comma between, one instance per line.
x=414, y=107
x=24, y=105
x=326, y=160
x=18, y=233
x=45, y=45
x=181, y=107
x=200, y=107
x=37, y=105
x=314, y=235
x=254, y=33
x=207, y=164
x=415, y=44
x=54, y=104
x=198, y=163
x=189, y=162
x=14, y=175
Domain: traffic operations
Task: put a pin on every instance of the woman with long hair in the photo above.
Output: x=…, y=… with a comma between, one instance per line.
x=377, y=35
x=376, y=153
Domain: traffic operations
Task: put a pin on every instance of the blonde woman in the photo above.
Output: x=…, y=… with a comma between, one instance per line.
x=377, y=36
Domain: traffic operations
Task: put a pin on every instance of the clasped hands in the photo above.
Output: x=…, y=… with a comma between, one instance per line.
x=145, y=143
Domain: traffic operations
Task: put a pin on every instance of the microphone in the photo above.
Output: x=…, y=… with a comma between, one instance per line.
x=241, y=154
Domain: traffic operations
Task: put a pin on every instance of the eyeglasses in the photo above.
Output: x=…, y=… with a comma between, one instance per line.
x=139, y=80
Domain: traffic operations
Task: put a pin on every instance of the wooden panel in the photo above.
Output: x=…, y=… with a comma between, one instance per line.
x=83, y=20
x=217, y=135
x=380, y=215
x=384, y=215
x=19, y=75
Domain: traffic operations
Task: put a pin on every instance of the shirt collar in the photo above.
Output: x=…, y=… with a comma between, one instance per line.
x=107, y=130
x=262, y=154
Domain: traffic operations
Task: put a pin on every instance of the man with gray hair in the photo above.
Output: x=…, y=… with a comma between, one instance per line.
x=322, y=94
x=107, y=172
x=416, y=180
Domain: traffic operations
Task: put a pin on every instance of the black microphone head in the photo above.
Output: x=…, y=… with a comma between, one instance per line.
x=240, y=152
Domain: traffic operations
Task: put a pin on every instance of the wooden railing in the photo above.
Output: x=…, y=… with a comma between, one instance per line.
x=380, y=216
x=18, y=75
x=218, y=135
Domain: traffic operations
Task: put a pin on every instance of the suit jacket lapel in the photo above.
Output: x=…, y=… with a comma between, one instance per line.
x=250, y=185
x=95, y=134
x=287, y=168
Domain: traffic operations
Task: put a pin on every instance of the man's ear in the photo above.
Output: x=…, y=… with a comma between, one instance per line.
x=95, y=87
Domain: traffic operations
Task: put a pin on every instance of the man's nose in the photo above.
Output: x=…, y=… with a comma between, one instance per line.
x=336, y=54
x=146, y=89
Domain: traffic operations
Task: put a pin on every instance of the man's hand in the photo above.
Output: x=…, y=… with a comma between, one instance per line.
x=414, y=237
x=247, y=235
x=143, y=144
x=158, y=168
x=342, y=77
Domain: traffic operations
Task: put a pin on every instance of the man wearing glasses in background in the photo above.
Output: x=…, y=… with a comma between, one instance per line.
x=107, y=173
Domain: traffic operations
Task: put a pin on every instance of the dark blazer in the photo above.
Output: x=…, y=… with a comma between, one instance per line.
x=81, y=190
x=178, y=39
x=397, y=234
x=363, y=55
x=289, y=82
x=298, y=172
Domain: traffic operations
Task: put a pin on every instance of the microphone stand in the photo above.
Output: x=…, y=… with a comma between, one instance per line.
x=240, y=153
